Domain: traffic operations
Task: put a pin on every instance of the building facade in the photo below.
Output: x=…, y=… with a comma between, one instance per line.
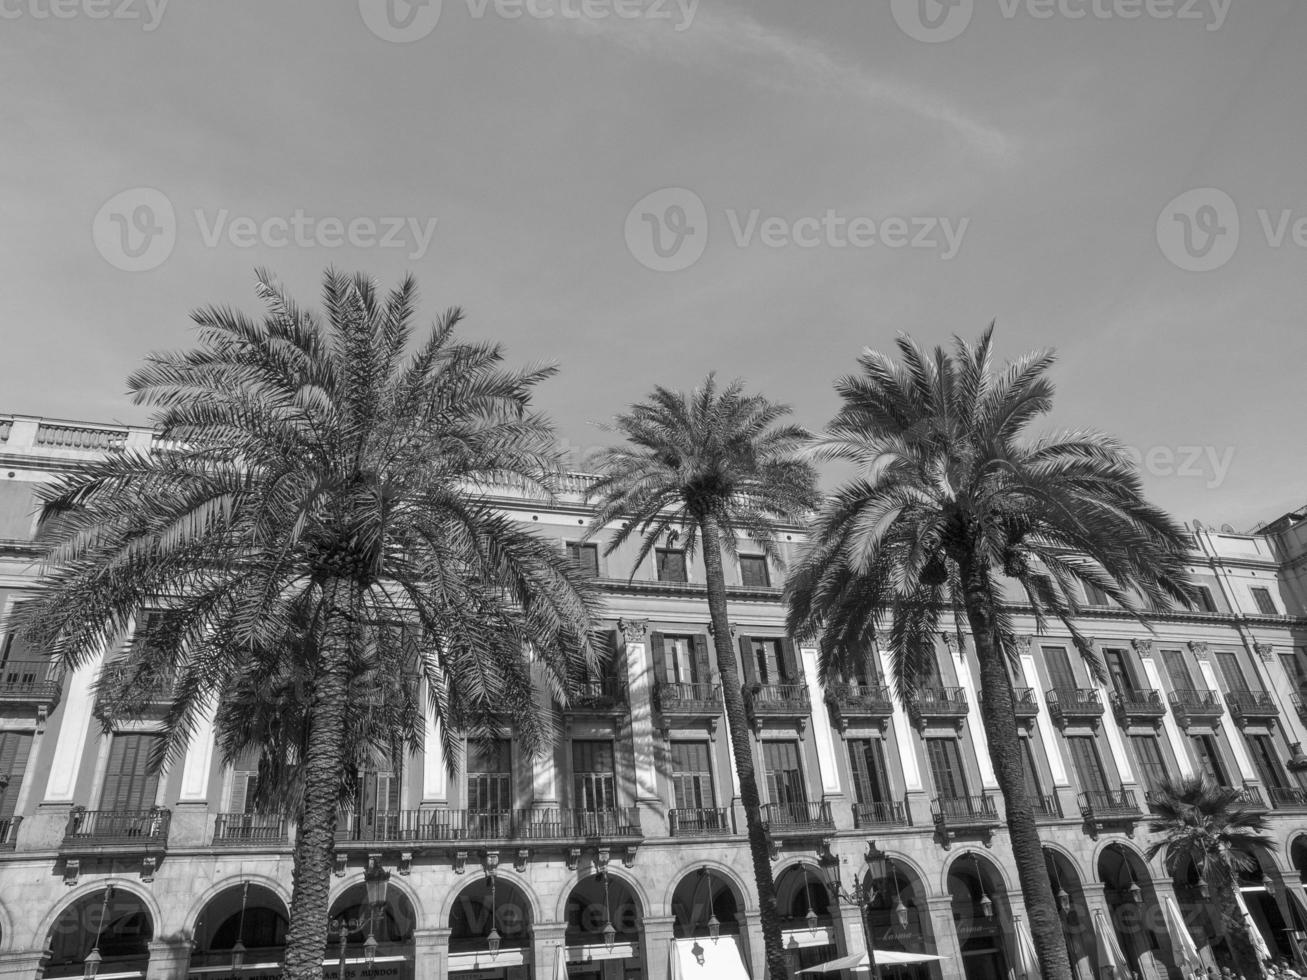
x=628, y=834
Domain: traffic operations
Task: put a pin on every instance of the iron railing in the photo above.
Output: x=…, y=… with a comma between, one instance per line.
x=797, y=817
x=1048, y=806
x=9, y=833
x=965, y=810
x=249, y=828
x=401, y=826
x=1141, y=705
x=688, y=699
x=1191, y=705
x=1074, y=703
x=1288, y=797
x=1251, y=704
x=891, y=813
x=1024, y=702
x=699, y=822
x=1108, y=803
x=777, y=699
x=602, y=694
x=103, y=827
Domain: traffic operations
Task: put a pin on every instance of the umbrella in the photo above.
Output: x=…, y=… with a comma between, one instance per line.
x=1255, y=934
x=862, y=962
x=1027, y=966
x=1110, y=956
x=560, y=964
x=1183, y=943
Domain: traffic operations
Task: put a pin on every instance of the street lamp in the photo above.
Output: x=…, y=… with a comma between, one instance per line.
x=238, y=951
x=375, y=881
x=91, y=966
x=878, y=869
x=493, y=940
x=610, y=934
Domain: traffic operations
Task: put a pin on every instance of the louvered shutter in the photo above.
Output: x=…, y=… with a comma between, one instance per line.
x=128, y=783
x=1059, y=669
x=790, y=662
x=14, y=749
x=747, y=663
x=702, y=664
x=1181, y=679
x=245, y=774
x=1234, y=676
x=658, y=657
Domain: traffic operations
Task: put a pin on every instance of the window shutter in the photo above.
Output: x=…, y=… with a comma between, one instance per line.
x=1178, y=669
x=14, y=749
x=616, y=651
x=746, y=661
x=658, y=657
x=790, y=662
x=702, y=664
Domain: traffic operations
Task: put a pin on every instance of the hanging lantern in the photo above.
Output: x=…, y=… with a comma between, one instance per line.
x=901, y=914
x=92, y=965
x=370, y=949
x=811, y=919
x=492, y=941
x=1064, y=901
x=610, y=936
x=697, y=952
x=1136, y=893
x=237, y=956
x=1203, y=889
x=986, y=906
x=714, y=926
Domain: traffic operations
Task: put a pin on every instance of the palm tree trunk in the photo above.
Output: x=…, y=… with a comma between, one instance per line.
x=1242, y=952
x=1005, y=750
x=738, y=728
x=315, y=842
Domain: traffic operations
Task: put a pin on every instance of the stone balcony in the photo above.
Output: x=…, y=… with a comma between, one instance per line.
x=939, y=704
x=414, y=828
x=1142, y=707
x=686, y=702
x=1251, y=706
x=892, y=813
x=852, y=703
x=955, y=815
x=1075, y=706
x=1195, y=707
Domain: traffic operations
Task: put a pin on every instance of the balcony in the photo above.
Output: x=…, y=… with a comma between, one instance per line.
x=1250, y=798
x=797, y=819
x=604, y=696
x=1025, y=705
x=32, y=685
x=1288, y=797
x=122, y=693
x=890, y=814
x=115, y=831
x=1195, y=707
x=417, y=827
x=688, y=702
x=1103, y=808
x=853, y=703
x=1047, y=807
x=963, y=814
x=249, y=828
x=938, y=704
x=1075, y=706
x=1246, y=706
x=1143, y=707
x=1299, y=707
x=9, y=833
x=702, y=822
x=776, y=701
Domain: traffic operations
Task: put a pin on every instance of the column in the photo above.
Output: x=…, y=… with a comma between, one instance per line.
x=1169, y=726
x=657, y=944
x=545, y=940
x=639, y=687
x=435, y=788
x=975, y=724
x=755, y=955
x=946, y=936
x=20, y=964
x=850, y=928
x=1237, y=746
x=190, y=821
x=65, y=765
x=824, y=740
x=917, y=805
x=430, y=953
x=168, y=960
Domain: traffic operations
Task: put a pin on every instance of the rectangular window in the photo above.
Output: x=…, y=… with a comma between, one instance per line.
x=1088, y=763
x=490, y=776
x=594, y=777
x=244, y=781
x=753, y=570
x=1178, y=668
x=1295, y=665
x=1205, y=601
x=671, y=565
x=1235, y=678
x=15, y=747
x=768, y=661
x=22, y=666
x=867, y=763
x=1265, y=604
x=129, y=781
x=1267, y=761
x=1059, y=668
x=1041, y=587
x=1095, y=596
x=678, y=658
x=1209, y=758
x=785, y=785
x=946, y=767
x=1121, y=671
x=692, y=776
x=1031, y=773
x=585, y=555
x=1148, y=753
x=865, y=672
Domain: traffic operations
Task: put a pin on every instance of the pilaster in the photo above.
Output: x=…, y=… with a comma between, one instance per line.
x=658, y=935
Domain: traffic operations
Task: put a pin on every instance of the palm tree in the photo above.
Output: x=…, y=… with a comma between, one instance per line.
x=713, y=466
x=1207, y=828
x=322, y=480
x=950, y=499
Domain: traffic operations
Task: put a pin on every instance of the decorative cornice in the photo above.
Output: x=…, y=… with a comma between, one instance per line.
x=633, y=630
x=1024, y=644
x=1142, y=647
x=1198, y=648
x=1265, y=651
x=954, y=642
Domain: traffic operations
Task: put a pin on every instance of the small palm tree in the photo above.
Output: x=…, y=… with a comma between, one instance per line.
x=713, y=466
x=318, y=516
x=1207, y=828
x=951, y=499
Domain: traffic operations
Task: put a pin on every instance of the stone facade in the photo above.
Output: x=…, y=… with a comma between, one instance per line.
x=897, y=798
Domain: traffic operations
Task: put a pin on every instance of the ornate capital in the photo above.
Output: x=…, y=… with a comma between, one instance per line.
x=633, y=630
x=1264, y=650
x=1142, y=647
x=952, y=641
x=1023, y=644
x=1198, y=648
x=731, y=627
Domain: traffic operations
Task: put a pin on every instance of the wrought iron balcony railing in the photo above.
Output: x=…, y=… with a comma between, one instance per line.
x=1098, y=805
x=1024, y=702
x=34, y=682
x=1195, y=707
x=430, y=826
x=116, y=828
x=1251, y=798
x=777, y=699
x=1246, y=706
x=1074, y=704
x=249, y=828
x=938, y=704
x=9, y=833
x=684, y=700
x=1288, y=797
x=605, y=695
x=781, y=819
x=700, y=822
x=1299, y=707
x=853, y=701
x=888, y=814
x=1136, y=707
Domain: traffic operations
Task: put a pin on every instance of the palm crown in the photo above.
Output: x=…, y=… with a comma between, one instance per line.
x=1207, y=825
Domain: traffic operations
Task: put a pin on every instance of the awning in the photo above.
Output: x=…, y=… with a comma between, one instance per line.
x=560, y=964
x=704, y=958
x=1255, y=934
x=1110, y=956
x=862, y=962
x=1186, y=952
x=1027, y=965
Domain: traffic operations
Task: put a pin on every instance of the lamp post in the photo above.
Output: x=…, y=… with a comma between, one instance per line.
x=878, y=868
x=342, y=935
x=91, y=966
x=376, y=881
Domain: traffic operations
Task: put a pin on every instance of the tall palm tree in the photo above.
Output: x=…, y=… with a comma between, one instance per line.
x=713, y=466
x=951, y=498
x=325, y=479
x=1206, y=828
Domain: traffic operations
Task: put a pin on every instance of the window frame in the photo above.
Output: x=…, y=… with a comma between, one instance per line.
x=660, y=562
x=760, y=565
x=574, y=551
x=1263, y=599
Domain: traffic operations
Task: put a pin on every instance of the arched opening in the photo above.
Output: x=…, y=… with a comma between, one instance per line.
x=700, y=897
x=353, y=919
x=604, y=931
x=490, y=930
x=1273, y=908
x=1073, y=911
x=248, y=913
x=1138, y=921
x=804, y=902
x=898, y=919
x=111, y=924
x=982, y=917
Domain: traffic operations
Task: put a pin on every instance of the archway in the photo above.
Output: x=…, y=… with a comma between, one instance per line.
x=806, y=922
x=353, y=919
x=982, y=917
x=702, y=896
x=604, y=929
x=1136, y=914
x=490, y=931
x=246, y=912
x=898, y=918
x=111, y=923
x=1274, y=911
x=1073, y=910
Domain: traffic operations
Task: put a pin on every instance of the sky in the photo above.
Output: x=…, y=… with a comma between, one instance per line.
x=644, y=191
